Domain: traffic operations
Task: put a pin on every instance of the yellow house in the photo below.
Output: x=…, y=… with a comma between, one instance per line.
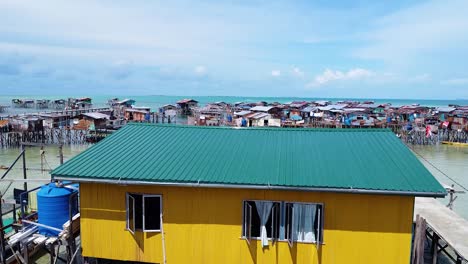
x=178, y=194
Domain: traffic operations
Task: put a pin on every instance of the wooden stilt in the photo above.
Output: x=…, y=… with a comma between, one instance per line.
x=434, y=247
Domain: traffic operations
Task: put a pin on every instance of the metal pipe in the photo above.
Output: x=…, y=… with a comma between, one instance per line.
x=13, y=164
x=42, y=225
x=23, y=180
x=258, y=187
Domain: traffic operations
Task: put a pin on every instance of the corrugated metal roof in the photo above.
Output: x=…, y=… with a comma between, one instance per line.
x=445, y=109
x=261, y=108
x=256, y=115
x=96, y=115
x=332, y=107
x=309, y=109
x=242, y=113
x=324, y=159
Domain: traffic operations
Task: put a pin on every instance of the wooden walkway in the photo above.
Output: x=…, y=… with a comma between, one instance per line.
x=448, y=225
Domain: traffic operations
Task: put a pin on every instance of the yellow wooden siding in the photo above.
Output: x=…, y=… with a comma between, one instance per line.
x=203, y=225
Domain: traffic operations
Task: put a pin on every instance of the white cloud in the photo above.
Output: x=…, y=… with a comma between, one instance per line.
x=200, y=70
x=275, y=73
x=297, y=72
x=418, y=31
x=455, y=81
x=330, y=76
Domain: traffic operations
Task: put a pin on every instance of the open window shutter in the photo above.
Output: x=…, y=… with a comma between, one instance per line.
x=248, y=222
x=131, y=213
x=319, y=227
x=143, y=210
x=289, y=226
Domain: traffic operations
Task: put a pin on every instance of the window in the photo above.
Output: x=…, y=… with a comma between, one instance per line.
x=261, y=221
x=293, y=222
x=143, y=212
x=303, y=223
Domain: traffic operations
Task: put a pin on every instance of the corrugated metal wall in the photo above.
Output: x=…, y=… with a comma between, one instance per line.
x=203, y=225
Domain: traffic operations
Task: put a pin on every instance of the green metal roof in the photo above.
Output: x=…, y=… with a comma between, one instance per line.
x=354, y=160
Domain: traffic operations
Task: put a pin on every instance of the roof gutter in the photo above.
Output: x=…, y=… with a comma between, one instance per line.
x=256, y=187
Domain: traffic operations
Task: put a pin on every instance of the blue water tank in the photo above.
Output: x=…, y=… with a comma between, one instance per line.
x=53, y=205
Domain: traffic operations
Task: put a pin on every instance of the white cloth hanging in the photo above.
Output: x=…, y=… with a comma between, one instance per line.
x=304, y=222
x=263, y=210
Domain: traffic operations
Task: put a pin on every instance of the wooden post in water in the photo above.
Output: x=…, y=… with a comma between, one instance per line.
x=25, y=176
x=61, y=153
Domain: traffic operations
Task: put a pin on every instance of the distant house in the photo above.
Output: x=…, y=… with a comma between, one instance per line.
x=373, y=107
x=298, y=105
x=358, y=117
x=459, y=118
x=80, y=103
x=257, y=119
x=410, y=113
x=273, y=110
x=137, y=114
x=186, y=106
x=167, y=107
x=225, y=195
x=99, y=120
x=56, y=120
x=321, y=103
x=30, y=123
x=443, y=113
x=125, y=103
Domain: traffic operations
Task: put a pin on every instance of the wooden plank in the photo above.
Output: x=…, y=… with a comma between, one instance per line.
x=448, y=225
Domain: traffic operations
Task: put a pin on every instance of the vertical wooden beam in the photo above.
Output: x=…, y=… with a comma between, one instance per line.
x=2, y=238
x=61, y=153
x=25, y=252
x=434, y=247
x=25, y=176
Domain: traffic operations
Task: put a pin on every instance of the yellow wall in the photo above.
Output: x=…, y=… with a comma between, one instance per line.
x=203, y=225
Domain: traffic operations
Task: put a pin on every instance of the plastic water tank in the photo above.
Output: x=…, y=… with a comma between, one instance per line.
x=53, y=205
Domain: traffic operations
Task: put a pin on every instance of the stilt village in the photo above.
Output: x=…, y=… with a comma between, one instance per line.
x=75, y=120
x=149, y=206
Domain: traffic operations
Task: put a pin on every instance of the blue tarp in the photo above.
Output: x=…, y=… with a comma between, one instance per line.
x=244, y=122
x=296, y=118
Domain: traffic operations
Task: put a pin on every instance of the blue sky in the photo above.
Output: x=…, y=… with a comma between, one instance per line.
x=368, y=49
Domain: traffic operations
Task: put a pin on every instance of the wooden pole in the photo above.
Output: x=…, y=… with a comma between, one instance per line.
x=25, y=176
x=61, y=153
x=435, y=243
x=2, y=237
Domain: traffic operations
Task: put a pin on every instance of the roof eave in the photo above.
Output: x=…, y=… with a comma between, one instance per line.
x=257, y=187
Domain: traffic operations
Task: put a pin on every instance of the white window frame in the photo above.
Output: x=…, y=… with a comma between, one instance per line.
x=275, y=209
x=243, y=235
x=247, y=219
x=320, y=226
x=287, y=229
x=143, y=211
x=131, y=199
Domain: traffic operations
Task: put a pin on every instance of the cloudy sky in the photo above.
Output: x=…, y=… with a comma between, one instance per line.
x=396, y=49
